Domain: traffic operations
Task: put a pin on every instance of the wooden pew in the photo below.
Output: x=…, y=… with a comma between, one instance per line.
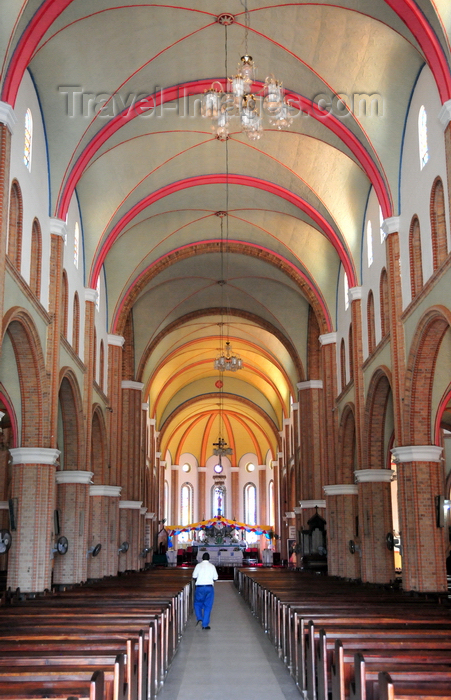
x=93, y=689
x=388, y=690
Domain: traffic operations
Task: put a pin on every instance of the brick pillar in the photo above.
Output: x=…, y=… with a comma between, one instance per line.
x=7, y=121
x=58, y=234
x=397, y=344
x=277, y=504
x=72, y=502
x=420, y=481
x=342, y=511
x=297, y=450
x=33, y=496
x=115, y=345
x=375, y=522
x=235, y=495
x=355, y=296
x=175, y=511
x=130, y=477
x=129, y=531
x=312, y=480
x=90, y=310
x=329, y=416
x=143, y=455
x=103, y=529
x=201, y=488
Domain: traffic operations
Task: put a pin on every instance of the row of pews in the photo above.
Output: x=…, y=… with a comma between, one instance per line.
x=110, y=640
x=341, y=640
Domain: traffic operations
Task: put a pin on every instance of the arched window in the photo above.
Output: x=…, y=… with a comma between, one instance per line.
x=101, y=365
x=76, y=325
x=15, y=226
x=186, y=504
x=343, y=364
x=383, y=297
x=28, y=139
x=416, y=265
x=351, y=355
x=250, y=504
x=423, y=137
x=64, y=304
x=346, y=290
x=369, y=242
x=438, y=224
x=76, y=244
x=218, y=500
x=272, y=511
x=371, y=323
x=36, y=256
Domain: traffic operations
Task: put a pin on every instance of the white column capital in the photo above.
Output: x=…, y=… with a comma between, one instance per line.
x=391, y=225
x=34, y=455
x=261, y=467
x=8, y=116
x=275, y=463
x=355, y=293
x=145, y=406
x=158, y=455
x=417, y=453
x=152, y=421
x=295, y=406
x=105, y=490
x=126, y=384
x=297, y=510
x=74, y=477
x=313, y=503
x=91, y=295
x=150, y=516
x=118, y=340
x=341, y=490
x=445, y=114
x=373, y=475
x=328, y=338
x=58, y=227
x=203, y=469
x=311, y=384
x=132, y=505
x=142, y=511
x=286, y=421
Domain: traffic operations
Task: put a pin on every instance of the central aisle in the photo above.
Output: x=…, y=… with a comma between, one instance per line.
x=234, y=660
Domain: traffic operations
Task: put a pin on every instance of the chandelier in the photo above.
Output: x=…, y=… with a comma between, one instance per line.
x=228, y=361
x=239, y=101
x=221, y=448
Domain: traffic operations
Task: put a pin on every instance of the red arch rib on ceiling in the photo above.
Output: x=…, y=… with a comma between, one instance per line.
x=220, y=178
x=407, y=10
x=417, y=23
x=298, y=271
x=43, y=18
x=197, y=87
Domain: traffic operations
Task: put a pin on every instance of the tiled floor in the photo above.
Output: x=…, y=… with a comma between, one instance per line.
x=234, y=660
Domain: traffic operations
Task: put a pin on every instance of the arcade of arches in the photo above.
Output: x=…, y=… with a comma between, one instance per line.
x=135, y=245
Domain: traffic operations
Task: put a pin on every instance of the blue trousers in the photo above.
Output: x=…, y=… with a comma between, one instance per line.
x=203, y=603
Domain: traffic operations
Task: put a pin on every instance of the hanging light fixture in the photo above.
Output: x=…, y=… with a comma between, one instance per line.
x=227, y=361
x=241, y=102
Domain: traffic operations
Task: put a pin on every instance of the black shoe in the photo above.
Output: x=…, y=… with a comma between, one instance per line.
x=206, y=628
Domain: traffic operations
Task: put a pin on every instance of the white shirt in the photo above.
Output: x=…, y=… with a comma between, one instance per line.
x=205, y=573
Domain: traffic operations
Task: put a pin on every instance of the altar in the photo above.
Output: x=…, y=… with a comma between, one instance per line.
x=221, y=554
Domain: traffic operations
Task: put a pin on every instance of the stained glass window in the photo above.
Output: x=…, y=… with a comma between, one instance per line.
x=423, y=137
x=272, y=516
x=250, y=504
x=28, y=139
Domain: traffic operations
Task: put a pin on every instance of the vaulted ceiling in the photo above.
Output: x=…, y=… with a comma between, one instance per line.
x=151, y=178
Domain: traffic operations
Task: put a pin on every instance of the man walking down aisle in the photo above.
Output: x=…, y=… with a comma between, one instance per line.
x=204, y=574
